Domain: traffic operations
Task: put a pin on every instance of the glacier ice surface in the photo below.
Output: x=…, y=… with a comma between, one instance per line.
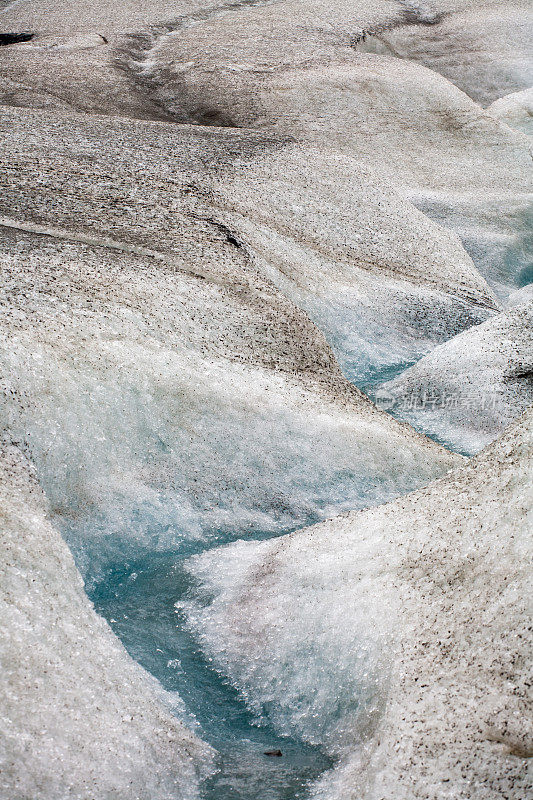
x=395, y=636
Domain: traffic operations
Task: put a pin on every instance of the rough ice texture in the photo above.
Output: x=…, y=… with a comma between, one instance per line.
x=520, y=297
x=482, y=46
x=127, y=415
x=159, y=281
x=292, y=68
x=79, y=718
x=516, y=109
x=397, y=637
x=470, y=388
x=153, y=366
x=86, y=78
x=380, y=299
x=409, y=126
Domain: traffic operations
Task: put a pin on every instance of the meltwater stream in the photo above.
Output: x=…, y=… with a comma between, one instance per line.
x=138, y=591
x=148, y=534
x=139, y=600
x=136, y=587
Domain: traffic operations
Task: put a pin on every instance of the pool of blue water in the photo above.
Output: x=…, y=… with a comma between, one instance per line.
x=139, y=598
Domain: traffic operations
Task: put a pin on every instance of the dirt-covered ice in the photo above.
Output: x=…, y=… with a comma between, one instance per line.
x=213, y=217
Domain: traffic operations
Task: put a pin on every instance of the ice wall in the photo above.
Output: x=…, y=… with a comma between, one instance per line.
x=396, y=636
x=79, y=718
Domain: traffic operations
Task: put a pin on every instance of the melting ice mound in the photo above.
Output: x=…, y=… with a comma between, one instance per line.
x=79, y=717
x=396, y=636
x=471, y=387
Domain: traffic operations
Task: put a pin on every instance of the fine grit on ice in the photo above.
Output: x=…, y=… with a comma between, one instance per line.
x=266, y=369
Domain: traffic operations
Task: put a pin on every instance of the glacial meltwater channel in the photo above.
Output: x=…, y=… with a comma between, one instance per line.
x=137, y=590
x=139, y=600
x=136, y=584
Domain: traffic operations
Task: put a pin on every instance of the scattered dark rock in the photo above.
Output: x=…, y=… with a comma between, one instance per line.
x=520, y=375
x=231, y=238
x=15, y=38
x=273, y=753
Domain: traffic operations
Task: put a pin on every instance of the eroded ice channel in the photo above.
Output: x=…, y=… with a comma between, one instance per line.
x=138, y=589
x=152, y=442
x=149, y=454
x=140, y=478
x=132, y=543
x=139, y=599
x=146, y=467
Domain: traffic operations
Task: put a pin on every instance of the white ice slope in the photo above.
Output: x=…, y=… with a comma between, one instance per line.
x=79, y=718
x=396, y=636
